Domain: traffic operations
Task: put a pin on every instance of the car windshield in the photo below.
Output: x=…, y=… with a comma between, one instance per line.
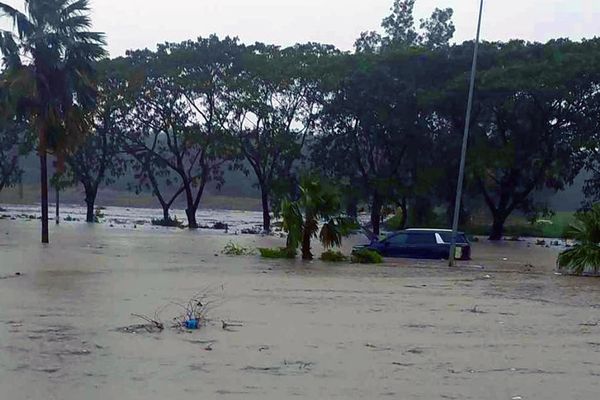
x=396, y=238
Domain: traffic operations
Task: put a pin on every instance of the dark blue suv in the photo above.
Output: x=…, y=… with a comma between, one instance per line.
x=421, y=243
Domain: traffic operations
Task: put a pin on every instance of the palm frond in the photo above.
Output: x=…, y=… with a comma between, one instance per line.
x=89, y=37
x=60, y=89
x=78, y=6
x=581, y=259
x=586, y=227
x=75, y=23
x=584, y=257
x=24, y=26
x=331, y=234
x=311, y=226
x=10, y=50
x=292, y=223
x=87, y=51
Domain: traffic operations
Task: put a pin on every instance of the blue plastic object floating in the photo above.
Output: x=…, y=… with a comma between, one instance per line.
x=192, y=324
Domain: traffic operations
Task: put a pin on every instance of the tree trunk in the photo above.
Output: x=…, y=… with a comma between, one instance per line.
x=166, y=216
x=90, y=212
x=352, y=207
x=57, y=206
x=90, y=200
x=306, y=253
x=497, y=232
x=376, y=214
x=191, y=209
x=191, y=217
x=44, y=193
x=265, y=207
x=404, y=210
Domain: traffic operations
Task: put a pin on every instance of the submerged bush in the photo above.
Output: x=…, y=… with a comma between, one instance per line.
x=333, y=256
x=98, y=215
x=366, y=256
x=583, y=258
x=169, y=223
x=279, y=253
x=232, y=249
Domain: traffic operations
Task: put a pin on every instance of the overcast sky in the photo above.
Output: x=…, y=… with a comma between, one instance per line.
x=143, y=23
x=132, y=24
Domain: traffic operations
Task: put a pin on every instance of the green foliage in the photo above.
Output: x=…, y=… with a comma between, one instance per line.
x=50, y=68
x=280, y=253
x=554, y=227
x=12, y=138
x=292, y=223
x=401, y=32
x=177, y=111
x=233, y=249
x=399, y=25
x=333, y=256
x=586, y=227
x=62, y=181
x=439, y=29
x=351, y=225
x=584, y=257
x=275, y=102
x=395, y=223
x=366, y=256
x=98, y=160
x=170, y=222
x=374, y=132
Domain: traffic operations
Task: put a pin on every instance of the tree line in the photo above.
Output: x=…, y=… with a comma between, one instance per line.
x=383, y=122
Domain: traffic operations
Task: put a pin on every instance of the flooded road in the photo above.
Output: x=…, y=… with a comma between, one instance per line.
x=503, y=327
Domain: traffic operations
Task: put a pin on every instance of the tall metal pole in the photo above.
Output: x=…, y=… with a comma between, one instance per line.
x=57, y=205
x=463, y=156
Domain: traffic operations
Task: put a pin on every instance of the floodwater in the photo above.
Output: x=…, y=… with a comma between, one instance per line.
x=503, y=327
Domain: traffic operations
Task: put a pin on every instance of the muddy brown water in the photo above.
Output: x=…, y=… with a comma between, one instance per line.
x=502, y=327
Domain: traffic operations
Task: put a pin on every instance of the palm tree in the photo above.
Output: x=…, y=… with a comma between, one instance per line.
x=49, y=59
x=301, y=218
x=584, y=257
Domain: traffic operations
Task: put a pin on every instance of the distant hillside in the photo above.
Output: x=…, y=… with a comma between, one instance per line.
x=123, y=198
x=237, y=193
x=237, y=184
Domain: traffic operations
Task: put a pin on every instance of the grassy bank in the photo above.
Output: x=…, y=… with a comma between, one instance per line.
x=116, y=198
x=551, y=228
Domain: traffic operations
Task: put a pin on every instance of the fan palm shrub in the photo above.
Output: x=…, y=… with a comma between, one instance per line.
x=315, y=215
x=584, y=256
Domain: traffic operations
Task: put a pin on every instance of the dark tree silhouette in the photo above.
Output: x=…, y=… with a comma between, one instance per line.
x=55, y=86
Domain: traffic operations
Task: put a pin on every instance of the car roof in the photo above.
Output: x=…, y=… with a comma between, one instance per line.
x=432, y=230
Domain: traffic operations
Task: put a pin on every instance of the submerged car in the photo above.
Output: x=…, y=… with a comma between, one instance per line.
x=421, y=243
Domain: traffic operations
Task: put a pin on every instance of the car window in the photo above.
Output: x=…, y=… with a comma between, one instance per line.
x=398, y=239
x=421, y=238
x=447, y=237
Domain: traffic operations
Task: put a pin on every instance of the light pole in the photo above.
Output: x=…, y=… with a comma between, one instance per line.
x=463, y=156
